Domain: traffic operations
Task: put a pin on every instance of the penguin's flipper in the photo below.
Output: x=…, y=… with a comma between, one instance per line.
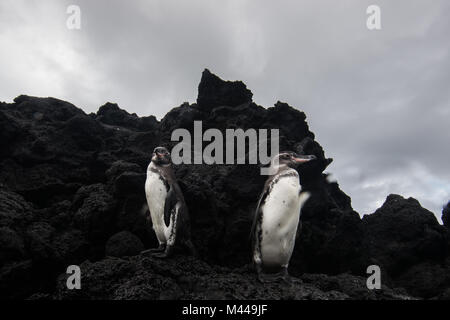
x=299, y=230
x=303, y=197
x=258, y=212
x=169, y=205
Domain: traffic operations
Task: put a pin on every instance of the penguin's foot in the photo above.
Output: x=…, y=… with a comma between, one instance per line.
x=161, y=255
x=166, y=254
x=275, y=277
x=161, y=248
x=284, y=275
x=286, y=278
x=144, y=252
x=264, y=278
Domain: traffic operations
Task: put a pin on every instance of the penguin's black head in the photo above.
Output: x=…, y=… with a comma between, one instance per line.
x=293, y=160
x=161, y=156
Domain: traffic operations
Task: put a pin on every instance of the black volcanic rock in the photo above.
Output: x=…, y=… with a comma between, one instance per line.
x=71, y=183
x=426, y=279
x=214, y=92
x=9, y=133
x=111, y=114
x=15, y=211
x=180, y=117
x=446, y=215
x=12, y=245
x=35, y=245
x=401, y=233
x=409, y=245
x=123, y=244
x=94, y=214
x=43, y=110
x=144, y=278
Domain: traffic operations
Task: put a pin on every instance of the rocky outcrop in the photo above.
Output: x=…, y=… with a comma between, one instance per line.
x=214, y=92
x=401, y=233
x=71, y=191
x=446, y=215
x=409, y=244
x=145, y=278
x=123, y=244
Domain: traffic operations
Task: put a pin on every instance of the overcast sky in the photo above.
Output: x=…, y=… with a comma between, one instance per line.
x=378, y=101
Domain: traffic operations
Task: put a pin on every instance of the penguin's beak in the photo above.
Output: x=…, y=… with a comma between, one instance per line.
x=303, y=159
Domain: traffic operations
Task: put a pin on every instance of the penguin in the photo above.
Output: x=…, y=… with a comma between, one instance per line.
x=168, y=210
x=277, y=217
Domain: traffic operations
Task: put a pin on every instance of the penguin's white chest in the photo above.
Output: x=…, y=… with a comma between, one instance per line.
x=280, y=217
x=156, y=192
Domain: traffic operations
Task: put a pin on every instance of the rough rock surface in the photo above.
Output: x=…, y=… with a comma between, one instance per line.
x=143, y=277
x=71, y=192
x=446, y=215
x=123, y=244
